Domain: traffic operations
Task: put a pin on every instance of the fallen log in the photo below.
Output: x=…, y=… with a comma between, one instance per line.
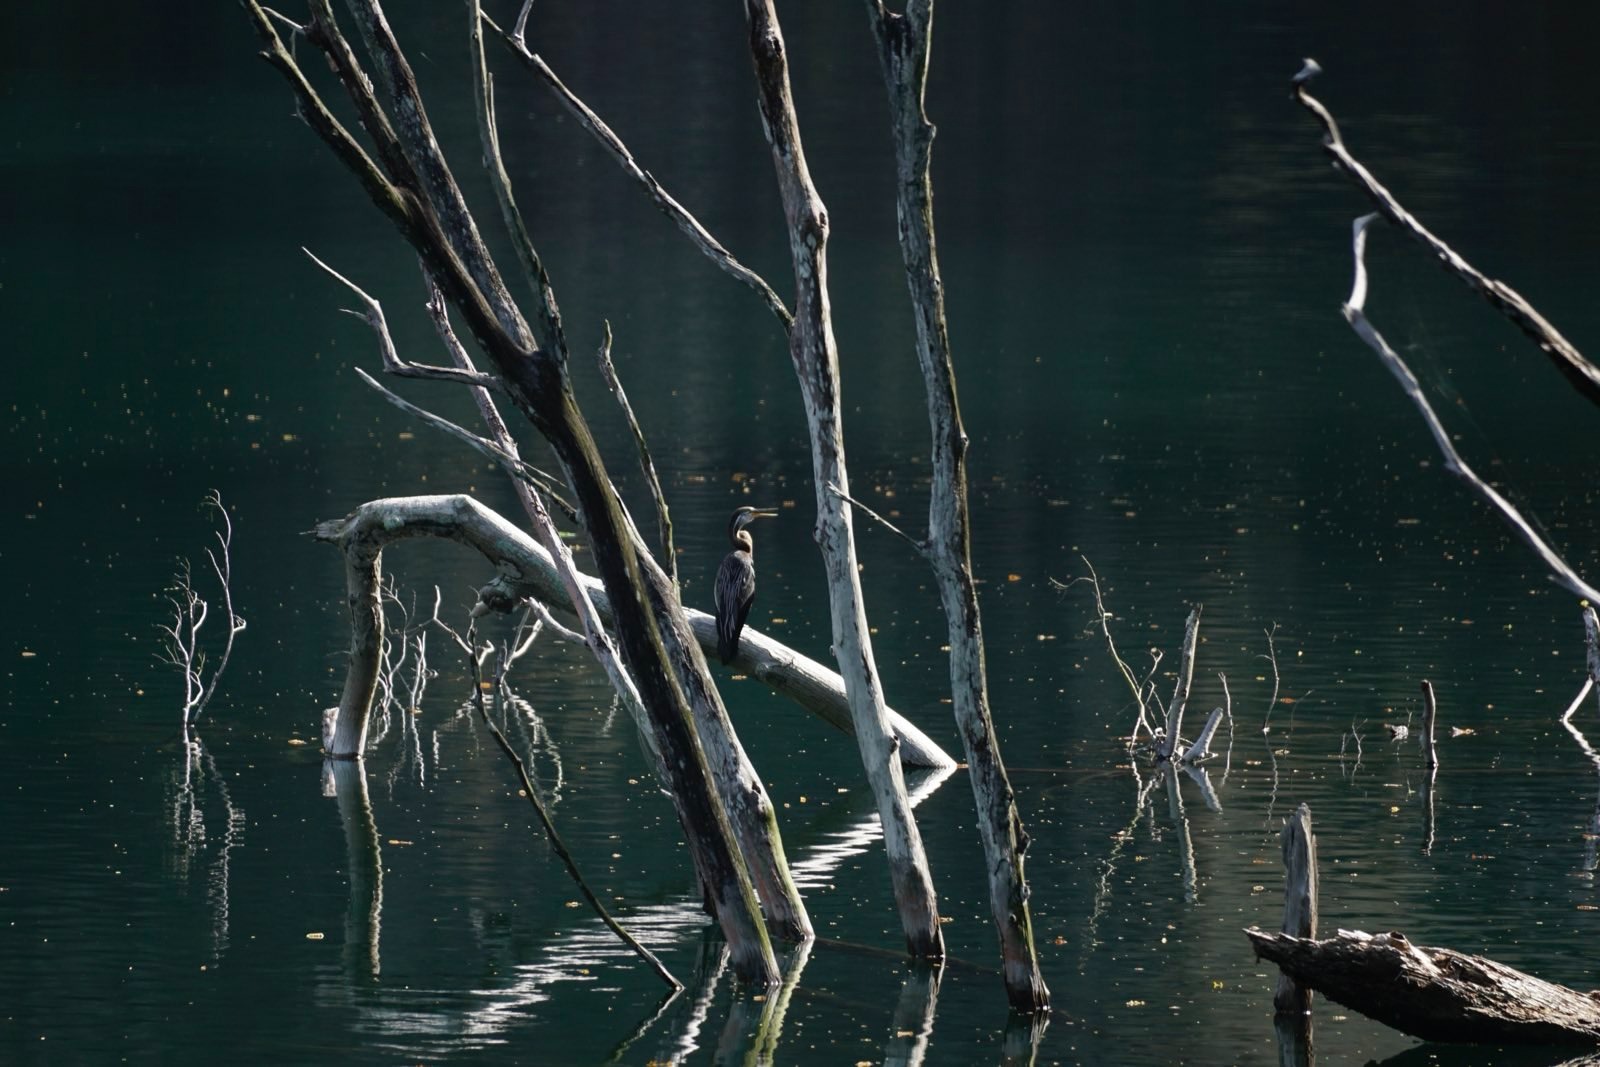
x=526, y=569
x=1434, y=993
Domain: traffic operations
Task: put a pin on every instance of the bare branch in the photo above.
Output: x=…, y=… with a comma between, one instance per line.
x=523, y=472
x=547, y=321
x=1561, y=573
x=222, y=566
x=920, y=546
x=1135, y=687
x=608, y=371
x=1582, y=374
x=436, y=185
x=1271, y=657
x=391, y=199
x=392, y=363
x=675, y=211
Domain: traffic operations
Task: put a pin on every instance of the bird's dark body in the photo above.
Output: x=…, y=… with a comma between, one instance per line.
x=736, y=591
x=736, y=582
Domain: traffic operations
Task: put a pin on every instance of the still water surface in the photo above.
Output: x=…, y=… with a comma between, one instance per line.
x=1145, y=255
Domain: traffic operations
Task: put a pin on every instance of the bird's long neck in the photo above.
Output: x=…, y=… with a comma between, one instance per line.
x=742, y=542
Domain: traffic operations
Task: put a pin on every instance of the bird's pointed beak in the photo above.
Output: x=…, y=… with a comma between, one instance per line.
x=764, y=513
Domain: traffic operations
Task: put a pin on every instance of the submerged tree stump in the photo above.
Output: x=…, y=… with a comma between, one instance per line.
x=1434, y=993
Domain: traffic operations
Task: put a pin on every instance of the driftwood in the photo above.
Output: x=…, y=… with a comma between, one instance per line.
x=1434, y=993
x=527, y=570
x=904, y=44
x=816, y=362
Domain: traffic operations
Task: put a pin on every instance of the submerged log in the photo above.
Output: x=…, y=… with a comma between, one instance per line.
x=1434, y=993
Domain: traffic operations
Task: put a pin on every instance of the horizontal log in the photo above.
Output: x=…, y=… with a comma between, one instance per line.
x=527, y=570
x=1434, y=993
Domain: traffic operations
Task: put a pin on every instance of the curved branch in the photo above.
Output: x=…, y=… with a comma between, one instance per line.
x=1560, y=572
x=1582, y=374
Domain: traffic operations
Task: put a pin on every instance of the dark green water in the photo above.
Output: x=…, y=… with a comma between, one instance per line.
x=1145, y=254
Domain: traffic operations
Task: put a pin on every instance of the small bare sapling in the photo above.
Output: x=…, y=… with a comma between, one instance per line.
x=180, y=644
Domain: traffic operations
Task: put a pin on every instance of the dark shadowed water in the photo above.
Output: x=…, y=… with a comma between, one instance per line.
x=1145, y=254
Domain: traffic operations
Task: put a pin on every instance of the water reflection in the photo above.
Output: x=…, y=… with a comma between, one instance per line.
x=1293, y=1035
x=1019, y=1045
x=411, y=1021
x=189, y=837
x=913, y=1017
x=346, y=781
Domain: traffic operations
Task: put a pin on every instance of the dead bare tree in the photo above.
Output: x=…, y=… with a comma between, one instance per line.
x=904, y=47
x=412, y=183
x=815, y=354
x=180, y=645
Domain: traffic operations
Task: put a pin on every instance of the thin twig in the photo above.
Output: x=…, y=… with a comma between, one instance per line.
x=1562, y=574
x=514, y=466
x=608, y=371
x=550, y=828
x=1271, y=657
x=1103, y=616
x=920, y=546
x=1584, y=375
x=675, y=211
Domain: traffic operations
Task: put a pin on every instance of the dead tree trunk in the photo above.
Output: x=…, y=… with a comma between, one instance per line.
x=1434, y=993
x=904, y=45
x=414, y=186
x=1299, y=903
x=816, y=363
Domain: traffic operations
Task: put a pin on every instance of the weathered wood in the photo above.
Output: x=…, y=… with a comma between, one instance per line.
x=1201, y=749
x=1180, y=689
x=1430, y=714
x=1591, y=641
x=816, y=362
x=1299, y=903
x=904, y=45
x=525, y=569
x=1434, y=993
x=426, y=205
x=1294, y=1037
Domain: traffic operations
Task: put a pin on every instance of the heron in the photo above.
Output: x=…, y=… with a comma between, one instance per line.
x=736, y=580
